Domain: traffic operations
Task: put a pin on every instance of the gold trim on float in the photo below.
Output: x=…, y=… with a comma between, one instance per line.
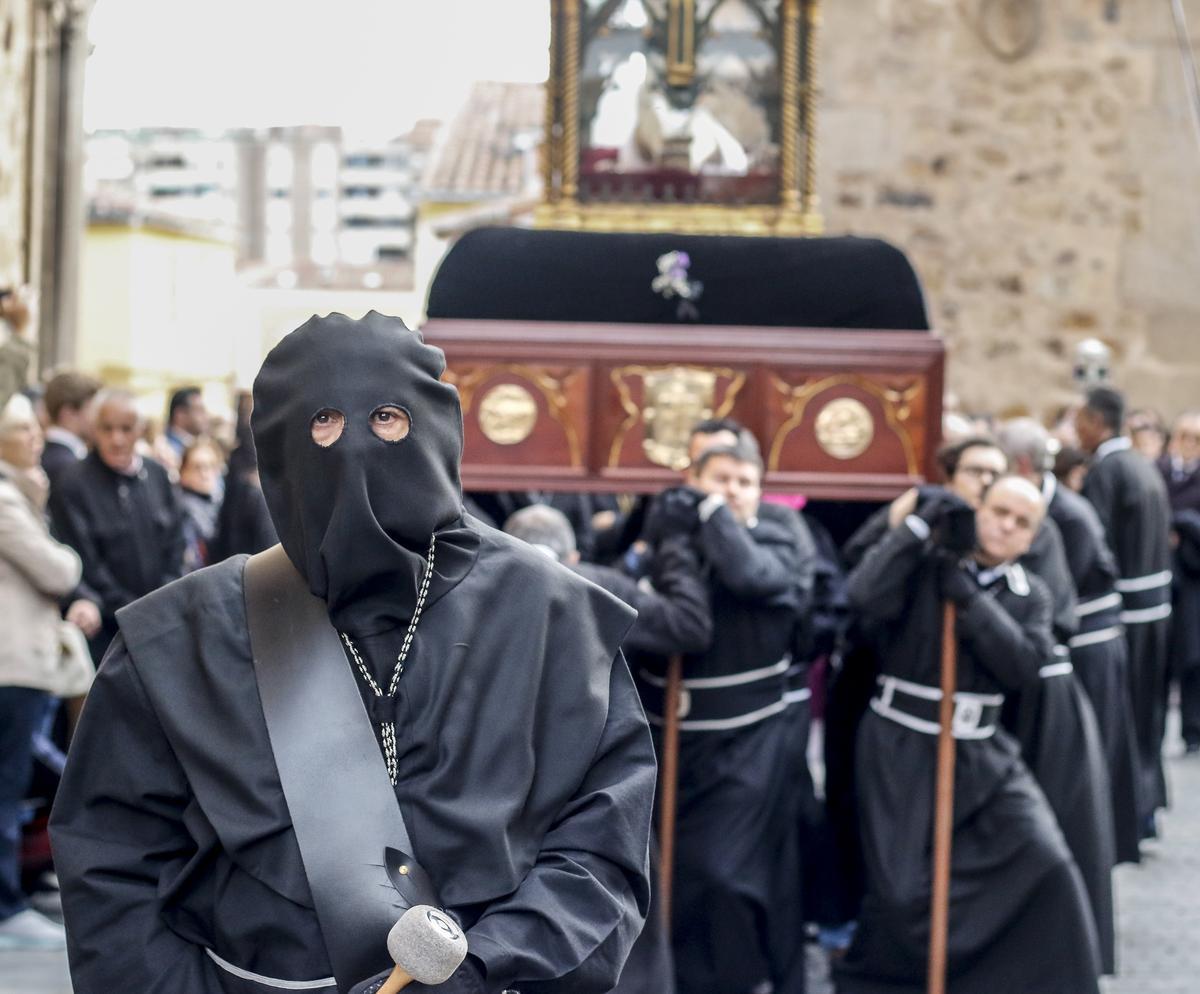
x=634, y=413
x=896, y=404
x=507, y=414
x=794, y=212
x=844, y=428
x=551, y=388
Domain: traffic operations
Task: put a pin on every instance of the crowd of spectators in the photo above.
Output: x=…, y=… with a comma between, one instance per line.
x=97, y=508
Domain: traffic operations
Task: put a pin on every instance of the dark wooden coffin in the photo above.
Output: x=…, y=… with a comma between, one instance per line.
x=840, y=414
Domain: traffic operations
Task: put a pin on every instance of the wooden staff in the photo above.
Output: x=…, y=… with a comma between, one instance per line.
x=943, y=819
x=668, y=783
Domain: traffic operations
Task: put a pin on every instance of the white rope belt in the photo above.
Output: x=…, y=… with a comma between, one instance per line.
x=1151, y=581
x=968, y=709
x=1146, y=615
x=1096, y=637
x=724, y=724
x=732, y=680
x=327, y=983
x=1055, y=669
x=770, y=675
x=1084, y=608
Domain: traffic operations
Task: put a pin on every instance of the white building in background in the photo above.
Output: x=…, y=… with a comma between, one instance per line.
x=176, y=174
x=308, y=206
x=204, y=249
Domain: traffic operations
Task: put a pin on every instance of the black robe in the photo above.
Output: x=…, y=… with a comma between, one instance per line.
x=56, y=457
x=1099, y=654
x=673, y=617
x=1055, y=724
x=1131, y=501
x=128, y=531
x=526, y=781
x=1019, y=913
x=1185, y=622
x=243, y=522
x=736, y=915
x=850, y=688
x=1183, y=490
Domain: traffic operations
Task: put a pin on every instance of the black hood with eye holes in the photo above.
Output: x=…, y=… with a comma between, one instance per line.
x=356, y=517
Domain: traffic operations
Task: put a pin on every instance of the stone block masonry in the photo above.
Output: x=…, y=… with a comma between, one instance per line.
x=15, y=33
x=1043, y=199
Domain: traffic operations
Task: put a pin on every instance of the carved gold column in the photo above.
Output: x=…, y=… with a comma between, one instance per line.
x=812, y=91
x=681, y=42
x=570, y=105
x=550, y=145
x=789, y=118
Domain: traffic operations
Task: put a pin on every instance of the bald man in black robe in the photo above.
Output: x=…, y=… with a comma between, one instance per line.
x=499, y=704
x=1019, y=914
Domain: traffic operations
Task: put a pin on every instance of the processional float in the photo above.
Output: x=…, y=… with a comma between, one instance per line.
x=676, y=273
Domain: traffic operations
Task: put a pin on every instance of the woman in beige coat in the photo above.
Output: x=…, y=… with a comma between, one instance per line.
x=35, y=572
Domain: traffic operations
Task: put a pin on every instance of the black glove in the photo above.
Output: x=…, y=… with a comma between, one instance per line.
x=674, y=512
x=467, y=979
x=951, y=519
x=955, y=581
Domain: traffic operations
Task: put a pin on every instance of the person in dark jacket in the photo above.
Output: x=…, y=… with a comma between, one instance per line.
x=736, y=906
x=1019, y=914
x=243, y=521
x=119, y=511
x=67, y=398
x=1131, y=501
x=513, y=746
x=199, y=480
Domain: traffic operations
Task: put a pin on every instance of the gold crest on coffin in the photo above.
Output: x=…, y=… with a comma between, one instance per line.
x=844, y=428
x=507, y=414
x=675, y=400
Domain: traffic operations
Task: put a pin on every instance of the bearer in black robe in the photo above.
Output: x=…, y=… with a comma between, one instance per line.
x=515, y=743
x=1131, y=501
x=1019, y=914
x=737, y=920
x=1055, y=724
x=1097, y=647
x=968, y=467
x=119, y=511
x=1180, y=468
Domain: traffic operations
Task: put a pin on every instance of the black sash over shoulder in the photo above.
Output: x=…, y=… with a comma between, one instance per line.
x=343, y=808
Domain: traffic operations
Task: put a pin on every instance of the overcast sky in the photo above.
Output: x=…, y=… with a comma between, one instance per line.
x=367, y=65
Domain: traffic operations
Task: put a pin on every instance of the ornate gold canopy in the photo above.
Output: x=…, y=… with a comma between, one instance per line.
x=691, y=116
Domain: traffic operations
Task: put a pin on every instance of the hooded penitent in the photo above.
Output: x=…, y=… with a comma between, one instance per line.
x=355, y=508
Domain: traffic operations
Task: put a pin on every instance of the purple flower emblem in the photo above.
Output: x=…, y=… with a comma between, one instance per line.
x=672, y=281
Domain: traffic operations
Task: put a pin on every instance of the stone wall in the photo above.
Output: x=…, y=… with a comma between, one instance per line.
x=1042, y=200
x=15, y=32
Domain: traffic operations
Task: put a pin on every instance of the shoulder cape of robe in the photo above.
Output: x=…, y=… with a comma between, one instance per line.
x=526, y=780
